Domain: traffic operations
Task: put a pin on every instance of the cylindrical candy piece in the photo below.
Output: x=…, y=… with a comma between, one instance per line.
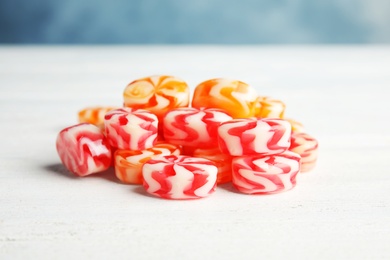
x=128, y=164
x=235, y=97
x=179, y=177
x=129, y=129
x=221, y=160
x=194, y=127
x=249, y=136
x=83, y=149
x=265, y=174
x=270, y=108
x=157, y=94
x=307, y=147
x=94, y=115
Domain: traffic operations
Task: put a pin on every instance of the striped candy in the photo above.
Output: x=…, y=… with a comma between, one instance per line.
x=296, y=127
x=157, y=94
x=193, y=127
x=128, y=164
x=235, y=97
x=265, y=174
x=129, y=129
x=94, y=115
x=222, y=161
x=270, y=108
x=83, y=149
x=179, y=177
x=251, y=136
x=307, y=147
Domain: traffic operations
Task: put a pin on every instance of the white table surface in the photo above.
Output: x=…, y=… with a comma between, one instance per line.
x=339, y=210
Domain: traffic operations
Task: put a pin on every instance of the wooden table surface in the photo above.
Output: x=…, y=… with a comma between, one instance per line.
x=340, y=210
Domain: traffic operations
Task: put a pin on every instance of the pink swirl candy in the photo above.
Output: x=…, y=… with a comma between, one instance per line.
x=194, y=127
x=179, y=177
x=307, y=147
x=251, y=136
x=129, y=129
x=83, y=149
x=265, y=174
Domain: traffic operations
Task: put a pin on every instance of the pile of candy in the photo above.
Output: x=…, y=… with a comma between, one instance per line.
x=179, y=152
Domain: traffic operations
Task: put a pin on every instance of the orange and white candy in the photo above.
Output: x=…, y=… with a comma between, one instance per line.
x=296, y=127
x=94, y=115
x=237, y=98
x=158, y=94
x=307, y=147
x=270, y=108
x=128, y=164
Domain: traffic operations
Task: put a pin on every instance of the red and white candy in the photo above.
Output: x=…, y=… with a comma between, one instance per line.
x=251, y=136
x=194, y=127
x=265, y=174
x=83, y=149
x=307, y=147
x=129, y=129
x=179, y=177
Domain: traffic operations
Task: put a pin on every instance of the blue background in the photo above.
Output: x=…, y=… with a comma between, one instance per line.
x=194, y=21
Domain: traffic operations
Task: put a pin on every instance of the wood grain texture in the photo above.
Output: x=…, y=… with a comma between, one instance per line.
x=339, y=210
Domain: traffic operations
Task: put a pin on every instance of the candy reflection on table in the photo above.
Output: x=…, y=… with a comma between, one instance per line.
x=265, y=174
x=179, y=177
x=83, y=149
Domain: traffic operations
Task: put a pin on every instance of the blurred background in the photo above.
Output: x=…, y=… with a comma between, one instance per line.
x=194, y=22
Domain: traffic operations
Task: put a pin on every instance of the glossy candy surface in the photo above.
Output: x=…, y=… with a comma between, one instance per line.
x=157, y=94
x=307, y=147
x=265, y=174
x=296, y=127
x=270, y=108
x=254, y=136
x=94, y=115
x=179, y=177
x=221, y=160
x=83, y=149
x=235, y=97
x=193, y=127
x=129, y=129
x=128, y=164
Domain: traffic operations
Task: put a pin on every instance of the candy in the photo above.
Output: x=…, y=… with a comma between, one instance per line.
x=307, y=147
x=83, y=149
x=235, y=97
x=254, y=136
x=265, y=174
x=94, y=115
x=179, y=177
x=157, y=94
x=296, y=127
x=270, y=108
x=193, y=127
x=130, y=129
x=222, y=161
x=128, y=164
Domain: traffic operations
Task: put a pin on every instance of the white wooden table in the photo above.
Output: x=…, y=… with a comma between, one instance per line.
x=339, y=210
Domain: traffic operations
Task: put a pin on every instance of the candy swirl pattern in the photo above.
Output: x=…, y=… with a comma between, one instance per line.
x=237, y=98
x=251, y=136
x=270, y=108
x=130, y=129
x=179, y=177
x=94, y=115
x=128, y=164
x=83, y=149
x=194, y=127
x=157, y=94
x=307, y=147
x=265, y=174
